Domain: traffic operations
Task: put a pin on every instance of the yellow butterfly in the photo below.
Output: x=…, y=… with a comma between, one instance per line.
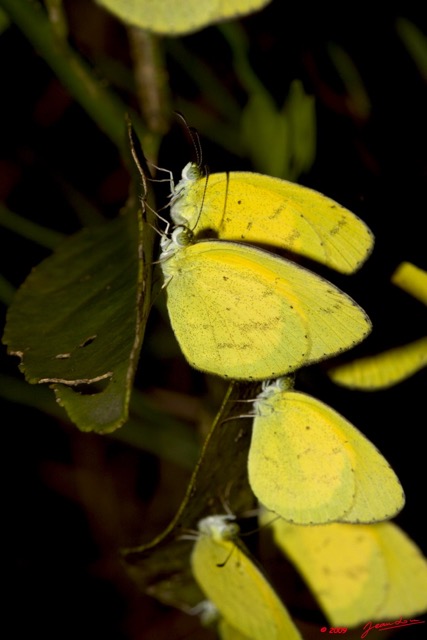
x=228, y=632
x=382, y=370
x=243, y=313
x=311, y=466
x=210, y=617
x=390, y=367
x=169, y=17
x=237, y=588
x=358, y=573
x=411, y=279
x=255, y=208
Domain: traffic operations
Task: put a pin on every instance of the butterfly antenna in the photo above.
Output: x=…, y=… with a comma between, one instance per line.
x=203, y=197
x=222, y=564
x=255, y=513
x=194, y=137
x=197, y=146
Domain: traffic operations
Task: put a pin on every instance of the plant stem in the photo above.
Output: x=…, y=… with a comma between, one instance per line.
x=105, y=108
x=27, y=229
x=57, y=17
x=151, y=79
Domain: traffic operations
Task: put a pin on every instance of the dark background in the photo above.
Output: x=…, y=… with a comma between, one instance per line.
x=73, y=499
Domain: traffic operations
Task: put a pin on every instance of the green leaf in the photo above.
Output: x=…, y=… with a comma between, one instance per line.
x=300, y=112
x=280, y=143
x=76, y=320
x=266, y=135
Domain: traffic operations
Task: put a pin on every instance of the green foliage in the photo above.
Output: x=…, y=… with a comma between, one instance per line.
x=285, y=141
x=78, y=320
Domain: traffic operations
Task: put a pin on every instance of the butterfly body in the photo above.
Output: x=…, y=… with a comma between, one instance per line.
x=310, y=465
x=232, y=581
x=243, y=313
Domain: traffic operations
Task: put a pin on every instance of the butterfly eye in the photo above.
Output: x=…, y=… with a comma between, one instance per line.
x=182, y=236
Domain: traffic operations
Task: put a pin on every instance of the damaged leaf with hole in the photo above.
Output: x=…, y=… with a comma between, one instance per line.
x=77, y=321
